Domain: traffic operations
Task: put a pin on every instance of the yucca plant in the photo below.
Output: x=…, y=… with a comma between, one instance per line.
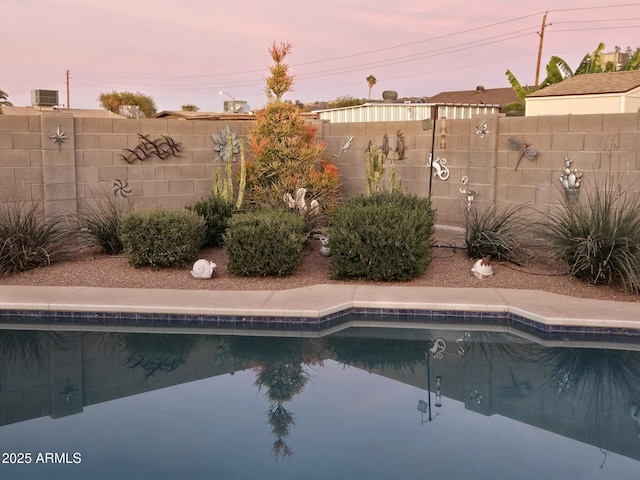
x=29, y=240
x=100, y=225
x=494, y=234
x=599, y=238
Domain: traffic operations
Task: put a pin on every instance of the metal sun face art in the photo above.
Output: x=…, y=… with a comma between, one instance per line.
x=524, y=149
x=59, y=138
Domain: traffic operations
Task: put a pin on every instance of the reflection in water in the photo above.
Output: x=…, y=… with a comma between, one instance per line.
x=29, y=346
x=595, y=378
x=281, y=366
x=379, y=353
x=589, y=394
x=157, y=352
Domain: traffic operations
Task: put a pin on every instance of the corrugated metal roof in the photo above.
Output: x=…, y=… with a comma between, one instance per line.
x=592, y=84
x=398, y=112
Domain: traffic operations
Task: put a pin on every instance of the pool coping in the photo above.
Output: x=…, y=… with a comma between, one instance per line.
x=318, y=306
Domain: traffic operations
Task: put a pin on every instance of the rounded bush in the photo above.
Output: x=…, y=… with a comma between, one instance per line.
x=385, y=236
x=264, y=243
x=216, y=213
x=162, y=237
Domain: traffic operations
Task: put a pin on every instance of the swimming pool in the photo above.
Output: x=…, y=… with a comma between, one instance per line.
x=363, y=402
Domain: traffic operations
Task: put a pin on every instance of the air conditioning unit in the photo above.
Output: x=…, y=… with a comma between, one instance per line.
x=44, y=98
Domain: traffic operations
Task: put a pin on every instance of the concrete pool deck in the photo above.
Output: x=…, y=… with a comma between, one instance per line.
x=323, y=300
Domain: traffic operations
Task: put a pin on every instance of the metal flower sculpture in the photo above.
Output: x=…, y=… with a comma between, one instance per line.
x=524, y=148
x=221, y=144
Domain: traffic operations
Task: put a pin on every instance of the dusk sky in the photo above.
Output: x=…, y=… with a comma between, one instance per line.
x=187, y=51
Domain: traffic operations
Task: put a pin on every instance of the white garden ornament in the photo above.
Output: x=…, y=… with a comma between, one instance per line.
x=203, y=269
x=482, y=268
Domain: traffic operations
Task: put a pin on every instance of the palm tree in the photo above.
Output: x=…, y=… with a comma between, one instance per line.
x=371, y=80
x=3, y=100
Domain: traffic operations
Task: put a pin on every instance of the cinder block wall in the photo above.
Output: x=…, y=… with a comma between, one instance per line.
x=90, y=163
x=602, y=146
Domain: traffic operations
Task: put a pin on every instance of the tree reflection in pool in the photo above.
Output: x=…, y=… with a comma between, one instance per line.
x=342, y=405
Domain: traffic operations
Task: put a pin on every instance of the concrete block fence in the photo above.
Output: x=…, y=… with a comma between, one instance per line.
x=68, y=162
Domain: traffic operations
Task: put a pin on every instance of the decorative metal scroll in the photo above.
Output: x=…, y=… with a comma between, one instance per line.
x=160, y=147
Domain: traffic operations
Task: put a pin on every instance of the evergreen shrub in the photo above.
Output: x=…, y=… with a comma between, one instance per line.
x=385, y=236
x=216, y=212
x=264, y=243
x=162, y=237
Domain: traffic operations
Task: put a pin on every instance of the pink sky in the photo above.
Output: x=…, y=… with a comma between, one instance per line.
x=186, y=51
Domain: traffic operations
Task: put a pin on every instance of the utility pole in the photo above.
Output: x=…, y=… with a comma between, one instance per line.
x=67, y=89
x=541, y=34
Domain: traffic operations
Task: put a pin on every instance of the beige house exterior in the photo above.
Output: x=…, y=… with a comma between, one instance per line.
x=597, y=93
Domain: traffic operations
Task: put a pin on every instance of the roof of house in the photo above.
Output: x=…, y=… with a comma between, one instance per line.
x=76, y=112
x=592, y=84
x=481, y=95
x=186, y=115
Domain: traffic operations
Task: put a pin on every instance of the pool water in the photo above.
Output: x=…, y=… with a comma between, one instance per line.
x=363, y=403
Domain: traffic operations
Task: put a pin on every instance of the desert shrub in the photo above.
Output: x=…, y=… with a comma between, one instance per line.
x=283, y=144
x=216, y=212
x=599, y=239
x=162, y=237
x=29, y=240
x=100, y=225
x=495, y=234
x=264, y=243
x=385, y=236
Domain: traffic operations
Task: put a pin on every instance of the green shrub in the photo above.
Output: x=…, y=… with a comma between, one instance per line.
x=100, y=225
x=264, y=243
x=162, y=237
x=496, y=235
x=28, y=240
x=599, y=239
x=385, y=236
x=216, y=213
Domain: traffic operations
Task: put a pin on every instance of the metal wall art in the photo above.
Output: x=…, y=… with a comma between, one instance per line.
x=571, y=179
x=59, y=138
x=441, y=171
x=401, y=147
x=224, y=146
x=121, y=188
x=481, y=128
x=344, y=148
x=161, y=147
x=468, y=191
x=524, y=148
